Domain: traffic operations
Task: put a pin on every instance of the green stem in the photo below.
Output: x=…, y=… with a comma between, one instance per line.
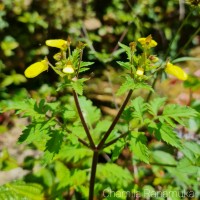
x=115, y=120
x=83, y=120
x=177, y=33
x=153, y=86
x=79, y=62
x=115, y=140
x=188, y=42
x=93, y=173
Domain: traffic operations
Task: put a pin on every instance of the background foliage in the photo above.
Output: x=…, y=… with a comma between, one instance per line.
x=24, y=27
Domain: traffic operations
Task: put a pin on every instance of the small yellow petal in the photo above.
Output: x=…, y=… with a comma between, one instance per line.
x=36, y=69
x=68, y=69
x=147, y=42
x=176, y=71
x=142, y=41
x=58, y=43
x=140, y=71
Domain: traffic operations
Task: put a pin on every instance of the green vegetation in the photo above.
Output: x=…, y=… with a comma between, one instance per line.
x=102, y=98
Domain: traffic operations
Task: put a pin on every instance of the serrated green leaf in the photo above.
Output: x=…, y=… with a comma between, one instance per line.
x=186, y=166
x=126, y=49
x=85, y=64
x=78, y=85
x=163, y=157
x=62, y=174
x=28, y=107
x=37, y=133
x=191, y=150
x=119, y=145
x=21, y=190
x=138, y=144
x=177, y=112
x=169, y=136
x=54, y=143
x=113, y=174
x=142, y=85
x=139, y=108
x=73, y=153
x=126, y=86
x=125, y=65
x=79, y=177
x=91, y=113
x=155, y=105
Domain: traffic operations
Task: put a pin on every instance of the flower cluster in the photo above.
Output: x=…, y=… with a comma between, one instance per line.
x=63, y=65
x=147, y=62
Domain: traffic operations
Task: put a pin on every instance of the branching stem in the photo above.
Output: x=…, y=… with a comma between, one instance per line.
x=83, y=120
x=112, y=126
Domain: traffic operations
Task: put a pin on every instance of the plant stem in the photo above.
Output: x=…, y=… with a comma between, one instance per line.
x=115, y=120
x=188, y=42
x=83, y=120
x=93, y=173
x=177, y=33
x=115, y=140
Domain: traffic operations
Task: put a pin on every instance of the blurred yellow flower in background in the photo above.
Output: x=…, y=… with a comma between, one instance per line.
x=58, y=43
x=176, y=71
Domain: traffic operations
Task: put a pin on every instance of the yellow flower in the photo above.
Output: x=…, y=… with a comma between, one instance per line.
x=140, y=71
x=176, y=71
x=147, y=42
x=68, y=69
x=36, y=69
x=58, y=43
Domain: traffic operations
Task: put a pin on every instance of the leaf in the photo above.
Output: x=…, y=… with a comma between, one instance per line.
x=126, y=49
x=138, y=144
x=126, y=86
x=91, y=113
x=169, y=136
x=21, y=190
x=191, y=150
x=53, y=145
x=85, y=64
x=177, y=112
x=163, y=157
x=28, y=107
x=78, y=178
x=139, y=108
x=186, y=166
x=125, y=65
x=73, y=153
x=142, y=85
x=114, y=175
x=119, y=146
x=78, y=85
x=155, y=105
x=183, y=59
x=62, y=174
x=37, y=133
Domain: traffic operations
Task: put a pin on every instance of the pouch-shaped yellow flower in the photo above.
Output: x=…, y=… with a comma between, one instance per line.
x=68, y=69
x=147, y=42
x=58, y=43
x=176, y=71
x=140, y=71
x=36, y=69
